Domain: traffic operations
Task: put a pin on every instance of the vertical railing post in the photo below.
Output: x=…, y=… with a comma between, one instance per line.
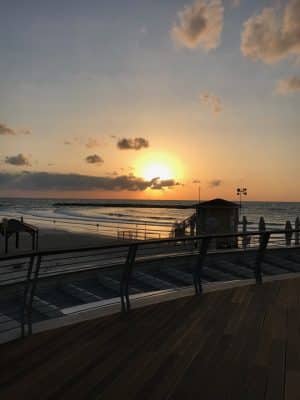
x=32, y=287
x=263, y=243
x=197, y=274
x=25, y=296
x=126, y=275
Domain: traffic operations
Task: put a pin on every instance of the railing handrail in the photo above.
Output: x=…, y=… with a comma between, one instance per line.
x=201, y=247
x=143, y=242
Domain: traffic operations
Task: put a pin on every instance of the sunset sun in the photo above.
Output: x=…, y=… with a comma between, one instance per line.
x=156, y=170
x=158, y=165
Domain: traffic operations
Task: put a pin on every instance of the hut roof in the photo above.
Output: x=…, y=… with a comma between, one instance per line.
x=14, y=225
x=217, y=203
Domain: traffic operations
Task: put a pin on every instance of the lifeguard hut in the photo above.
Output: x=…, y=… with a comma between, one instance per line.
x=9, y=227
x=218, y=216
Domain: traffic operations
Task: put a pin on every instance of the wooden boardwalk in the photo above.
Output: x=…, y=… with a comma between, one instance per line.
x=241, y=343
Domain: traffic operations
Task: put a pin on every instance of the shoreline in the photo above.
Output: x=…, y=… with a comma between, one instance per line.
x=127, y=205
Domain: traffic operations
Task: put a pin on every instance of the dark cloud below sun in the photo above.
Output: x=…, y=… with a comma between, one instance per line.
x=39, y=181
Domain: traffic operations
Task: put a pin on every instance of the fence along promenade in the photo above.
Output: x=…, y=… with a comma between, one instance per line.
x=32, y=283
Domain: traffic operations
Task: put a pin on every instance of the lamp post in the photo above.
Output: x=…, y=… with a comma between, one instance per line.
x=240, y=192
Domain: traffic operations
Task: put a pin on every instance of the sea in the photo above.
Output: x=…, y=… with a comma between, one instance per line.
x=133, y=220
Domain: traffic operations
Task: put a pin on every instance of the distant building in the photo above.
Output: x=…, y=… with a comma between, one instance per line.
x=218, y=216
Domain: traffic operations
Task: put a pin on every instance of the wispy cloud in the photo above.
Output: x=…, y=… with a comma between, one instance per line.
x=91, y=143
x=132, y=144
x=200, y=25
x=25, y=132
x=288, y=85
x=94, y=159
x=235, y=3
x=215, y=183
x=6, y=130
x=39, y=181
x=271, y=36
x=18, y=160
x=213, y=101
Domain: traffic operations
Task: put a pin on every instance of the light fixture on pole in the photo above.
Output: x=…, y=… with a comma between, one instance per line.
x=240, y=192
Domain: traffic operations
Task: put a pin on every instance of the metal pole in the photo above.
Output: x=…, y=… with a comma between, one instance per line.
x=199, y=264
x=126, y=275
x=264, y=239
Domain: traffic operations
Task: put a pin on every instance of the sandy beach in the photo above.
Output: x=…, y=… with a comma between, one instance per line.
x=50, y=239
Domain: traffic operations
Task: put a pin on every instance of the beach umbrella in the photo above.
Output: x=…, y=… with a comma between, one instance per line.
x=288, y=233
x=261, y=227
x=297, y=234
x=261, y=224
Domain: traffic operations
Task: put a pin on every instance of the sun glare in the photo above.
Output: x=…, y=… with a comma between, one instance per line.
x=156, y=171
x=158, y=165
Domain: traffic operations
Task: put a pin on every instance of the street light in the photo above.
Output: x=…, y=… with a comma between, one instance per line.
x=240, y=192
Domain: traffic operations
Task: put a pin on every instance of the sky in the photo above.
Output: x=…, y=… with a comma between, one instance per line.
x=150, y=99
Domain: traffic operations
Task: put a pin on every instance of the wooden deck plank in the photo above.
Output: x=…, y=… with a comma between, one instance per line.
x=150, y=344
x=89, y=346
x=223, y=360
x=230, y=344
x=97, y=375
x=179, y=357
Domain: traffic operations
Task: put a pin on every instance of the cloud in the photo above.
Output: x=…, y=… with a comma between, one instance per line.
x=38, y=181
x=288, y=85
x=160, y=184
x=18, y=160
x=271, y=37
x=215, y=183
x=94, y=159
x=132, y=144
x=213, y=101
x=91, y=143
x=5, y=130
x=235, y=3
x=200, y=25
x=26, y=132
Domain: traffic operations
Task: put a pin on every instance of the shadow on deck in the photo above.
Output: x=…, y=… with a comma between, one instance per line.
x=241, y=343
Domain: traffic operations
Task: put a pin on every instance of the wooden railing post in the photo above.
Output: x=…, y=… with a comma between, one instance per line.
x=263, y=243
x=126, y=275
x=197, y=274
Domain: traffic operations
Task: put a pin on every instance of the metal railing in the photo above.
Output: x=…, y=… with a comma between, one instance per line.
x=27, y=280
x=118, y=228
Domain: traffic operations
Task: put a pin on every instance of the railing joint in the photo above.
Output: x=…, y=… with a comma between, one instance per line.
x=125, y=278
